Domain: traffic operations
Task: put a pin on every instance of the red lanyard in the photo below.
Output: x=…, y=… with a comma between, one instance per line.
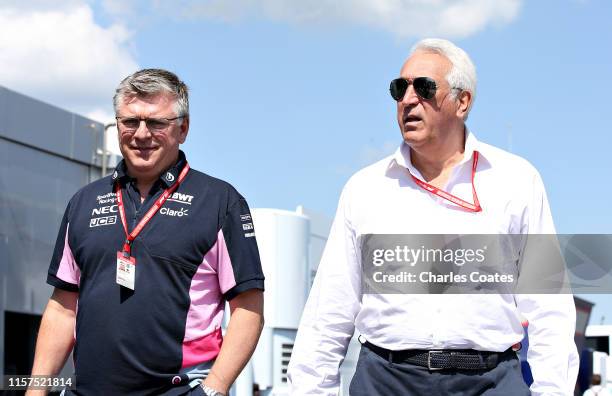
x=147, y=217
x=475, y=207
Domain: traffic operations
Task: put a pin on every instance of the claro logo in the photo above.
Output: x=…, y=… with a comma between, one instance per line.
x=174, y=213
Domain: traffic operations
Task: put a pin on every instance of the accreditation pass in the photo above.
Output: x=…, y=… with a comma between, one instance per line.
x=126, y=270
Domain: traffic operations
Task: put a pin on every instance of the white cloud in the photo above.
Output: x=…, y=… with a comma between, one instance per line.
x=403, y=18
x=60, y=54
x=106, y=116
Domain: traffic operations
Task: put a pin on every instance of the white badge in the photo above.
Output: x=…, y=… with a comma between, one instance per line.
x=126, y=271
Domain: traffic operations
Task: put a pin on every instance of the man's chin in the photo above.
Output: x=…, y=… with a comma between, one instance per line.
x=141, y=167
x=413, y=137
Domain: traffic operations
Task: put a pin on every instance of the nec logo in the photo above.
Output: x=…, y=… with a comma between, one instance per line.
x=181, y=198
x=101, y=221
x=104, y=210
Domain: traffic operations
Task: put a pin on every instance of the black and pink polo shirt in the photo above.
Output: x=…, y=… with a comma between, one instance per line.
x=198, y=251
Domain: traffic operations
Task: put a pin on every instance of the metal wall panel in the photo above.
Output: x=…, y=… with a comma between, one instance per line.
x=34, y=190
x=42, y=125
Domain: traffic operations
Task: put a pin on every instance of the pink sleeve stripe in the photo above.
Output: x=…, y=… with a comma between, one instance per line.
x=68, y=270
x=225, y=269
x=203, y=349
x=206, y=301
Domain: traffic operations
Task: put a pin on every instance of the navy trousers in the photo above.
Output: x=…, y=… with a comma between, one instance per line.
x=376, y=376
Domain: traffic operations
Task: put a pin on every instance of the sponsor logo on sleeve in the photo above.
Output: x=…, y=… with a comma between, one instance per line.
x=248, y=227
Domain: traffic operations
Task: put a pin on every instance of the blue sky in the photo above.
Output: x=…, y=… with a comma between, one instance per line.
x=288, y=99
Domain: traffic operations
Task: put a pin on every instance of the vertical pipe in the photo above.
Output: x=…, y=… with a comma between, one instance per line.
x=104, y=144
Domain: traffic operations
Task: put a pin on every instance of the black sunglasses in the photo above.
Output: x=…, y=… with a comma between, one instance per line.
x=425, y=87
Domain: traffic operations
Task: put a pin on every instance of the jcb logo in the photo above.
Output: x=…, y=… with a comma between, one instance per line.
x=100, y=221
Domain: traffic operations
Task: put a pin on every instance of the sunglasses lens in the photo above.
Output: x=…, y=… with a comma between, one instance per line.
x=398, y=88
x=425, y=87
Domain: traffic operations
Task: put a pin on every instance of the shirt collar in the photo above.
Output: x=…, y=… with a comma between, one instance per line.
x=402, y=158
x=167, y=178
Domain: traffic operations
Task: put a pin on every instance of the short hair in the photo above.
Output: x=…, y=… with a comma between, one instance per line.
x=462, y=76
x=596, y=379
x=147, y=82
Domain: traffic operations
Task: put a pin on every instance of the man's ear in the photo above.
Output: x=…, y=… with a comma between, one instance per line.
x=184, y=129
x=464, y=100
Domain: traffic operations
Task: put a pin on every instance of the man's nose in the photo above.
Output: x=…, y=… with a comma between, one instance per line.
x=410, y=97
x=142, y=132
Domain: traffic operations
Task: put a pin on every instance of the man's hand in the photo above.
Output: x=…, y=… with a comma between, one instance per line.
x=243, y=331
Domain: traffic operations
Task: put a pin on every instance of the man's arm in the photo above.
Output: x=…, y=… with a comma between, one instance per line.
x=243, y=331
x=328, y=320
x=552, y=353
x=55, y=336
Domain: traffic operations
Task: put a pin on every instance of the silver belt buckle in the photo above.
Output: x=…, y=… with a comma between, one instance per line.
x=429, y=353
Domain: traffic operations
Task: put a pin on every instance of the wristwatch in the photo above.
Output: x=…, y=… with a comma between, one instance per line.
x=208, y=391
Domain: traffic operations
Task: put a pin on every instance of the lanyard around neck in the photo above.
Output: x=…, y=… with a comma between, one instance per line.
x=150, y=213
x=472, y=207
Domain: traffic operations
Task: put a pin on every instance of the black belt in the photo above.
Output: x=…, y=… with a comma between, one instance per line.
x=461, y=359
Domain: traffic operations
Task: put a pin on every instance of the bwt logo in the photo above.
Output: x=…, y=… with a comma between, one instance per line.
x=104, y=210
x=101, y=221
x=181, y=198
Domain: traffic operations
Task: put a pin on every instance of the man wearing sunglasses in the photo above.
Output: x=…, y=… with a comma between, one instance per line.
x=440, y=181
x=149, y=256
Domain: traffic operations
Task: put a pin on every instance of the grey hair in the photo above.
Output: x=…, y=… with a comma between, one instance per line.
x=462, y=76
x=149, y=82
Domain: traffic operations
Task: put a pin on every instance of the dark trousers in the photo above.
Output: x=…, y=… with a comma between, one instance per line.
x=376, y=376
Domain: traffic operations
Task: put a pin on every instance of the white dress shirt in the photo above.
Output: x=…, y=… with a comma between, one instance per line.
x=596, y=390
x=383, y=199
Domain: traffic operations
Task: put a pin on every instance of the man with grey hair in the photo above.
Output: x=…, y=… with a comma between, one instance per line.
x=149, y=256
x=441, y=181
